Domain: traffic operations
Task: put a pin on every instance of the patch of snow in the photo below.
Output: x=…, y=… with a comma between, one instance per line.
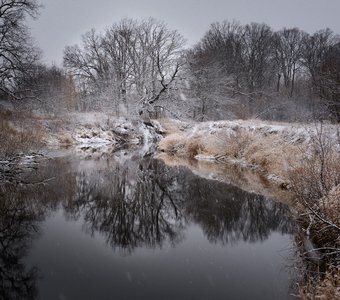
x=205, y=157
x=183, y=97
x=288, y=133
x=147, y=137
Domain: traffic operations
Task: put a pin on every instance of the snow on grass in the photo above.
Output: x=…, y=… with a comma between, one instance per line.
x=268, y=147
x=100, y=130
x=288, y=132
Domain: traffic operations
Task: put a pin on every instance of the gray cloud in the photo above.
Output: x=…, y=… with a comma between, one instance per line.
x=62, y=22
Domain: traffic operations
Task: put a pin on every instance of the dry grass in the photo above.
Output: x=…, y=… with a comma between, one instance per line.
x=66, y=139
x=327, y=288
x=308, y=164
x=173, y=126
x=316, y=171
x=182, y=146
x=17, y=135
x=331, y=204
x=236, y=144
x=315, y=181
x=266, y=153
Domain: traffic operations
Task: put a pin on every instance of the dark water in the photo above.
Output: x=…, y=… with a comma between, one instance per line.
x=130, y=227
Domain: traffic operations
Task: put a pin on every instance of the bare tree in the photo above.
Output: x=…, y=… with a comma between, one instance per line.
x=288, y=55
x=257, y=42
x=250, y=71
x=314, y=50
x=17, y=52
x=231, y=68
x=329, y=81
x=163, y=48
x=88, y=61
x=48, y=89
x=321, y=58
x=119, y=45
x=137, y=61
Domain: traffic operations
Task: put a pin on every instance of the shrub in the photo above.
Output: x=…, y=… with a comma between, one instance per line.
x=17, y=138
x=315, y=181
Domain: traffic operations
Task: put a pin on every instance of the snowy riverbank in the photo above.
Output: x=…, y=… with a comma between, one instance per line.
x=270, y=148
x=100, y=131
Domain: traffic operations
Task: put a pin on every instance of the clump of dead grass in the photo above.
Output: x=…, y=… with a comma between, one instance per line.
x=182, y=146
x=66, y=139
x=331, y=204
x=315, y=182
x=237, y=144
x=173, y=126
x=16, y=137
x=317, y=170
x=327, y=288
x=263, y=152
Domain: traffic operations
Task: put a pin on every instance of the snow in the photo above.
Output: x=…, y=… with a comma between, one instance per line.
x=205, y=157
x=106, y=132
x=183, y=97
x=93, y=137
x=101, y=131
x=6, y=105
x=147, y=138
x=291, y=133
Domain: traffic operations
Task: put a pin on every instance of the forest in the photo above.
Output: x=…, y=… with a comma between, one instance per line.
x=235, y=71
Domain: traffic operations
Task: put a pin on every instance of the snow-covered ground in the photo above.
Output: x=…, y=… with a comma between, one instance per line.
x=291, y=133
x=272, y=149
x=102, y=132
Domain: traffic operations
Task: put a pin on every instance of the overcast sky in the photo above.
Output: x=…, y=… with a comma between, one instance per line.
x=62, y=22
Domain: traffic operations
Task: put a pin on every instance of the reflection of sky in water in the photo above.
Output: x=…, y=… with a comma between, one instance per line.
x=141, y=230
x=81, y=267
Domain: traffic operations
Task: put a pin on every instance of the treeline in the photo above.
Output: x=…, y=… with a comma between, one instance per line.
x=25, y=82
x=18, y=54
x=252, y=71
x=235, y=71
x=142, y=66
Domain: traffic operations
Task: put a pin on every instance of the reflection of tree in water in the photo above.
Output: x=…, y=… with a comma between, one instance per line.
x=23, y=206
x=19, y=220
x=145, y=203
x=228, y=214
x=140, y=203
x=130, y=205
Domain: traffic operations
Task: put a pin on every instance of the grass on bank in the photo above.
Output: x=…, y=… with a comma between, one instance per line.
x=315, y=182
x=309, y=165
x=19, y=133
x=268, y=153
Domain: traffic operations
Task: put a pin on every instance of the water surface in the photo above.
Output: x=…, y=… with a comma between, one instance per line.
x=130, y=227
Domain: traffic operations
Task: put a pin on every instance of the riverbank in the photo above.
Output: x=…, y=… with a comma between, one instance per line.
x=270, y=148
x=27, y=139
x=300, y=158
x=294, y=162
x=24, y=133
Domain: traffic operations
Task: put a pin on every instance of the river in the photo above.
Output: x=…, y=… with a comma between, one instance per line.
x=127, y=226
